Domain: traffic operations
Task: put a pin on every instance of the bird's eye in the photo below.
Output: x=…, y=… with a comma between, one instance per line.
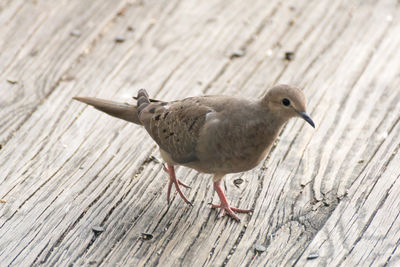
x=286, y=102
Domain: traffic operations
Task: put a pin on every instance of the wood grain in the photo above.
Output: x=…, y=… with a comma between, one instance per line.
x=329, y=194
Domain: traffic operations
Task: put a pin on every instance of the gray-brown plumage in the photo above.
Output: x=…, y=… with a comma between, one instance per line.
x=212, y=134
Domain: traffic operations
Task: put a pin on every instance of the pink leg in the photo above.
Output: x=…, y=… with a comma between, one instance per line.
x=173, y=180
x=224, y=206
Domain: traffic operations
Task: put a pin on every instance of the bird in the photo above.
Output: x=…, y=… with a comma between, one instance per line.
x=213, y=134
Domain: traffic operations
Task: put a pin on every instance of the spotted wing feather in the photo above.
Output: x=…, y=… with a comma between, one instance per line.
x=175, y=126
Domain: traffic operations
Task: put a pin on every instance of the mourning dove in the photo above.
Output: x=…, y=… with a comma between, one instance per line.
x=212, y=134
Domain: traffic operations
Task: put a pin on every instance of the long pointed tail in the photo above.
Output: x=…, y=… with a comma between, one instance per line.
x=120, y=110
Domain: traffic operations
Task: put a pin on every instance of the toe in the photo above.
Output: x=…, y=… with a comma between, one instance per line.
x=233, y=214
x=182, y=184
x=221, y=213
x=215, y=206
x=241, y=210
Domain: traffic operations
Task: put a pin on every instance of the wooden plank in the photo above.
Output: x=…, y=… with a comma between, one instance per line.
x=68, y=167
x=37, y=49
x=363, y=230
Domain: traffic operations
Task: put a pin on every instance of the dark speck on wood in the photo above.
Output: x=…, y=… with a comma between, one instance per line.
x=75, y=33
x=146, y=236
x=12, y=81
x=98, y=229
x=238, y=53
x=119, y=39
x=238, y=181
x=312, y=256
x=289, y=55
x=259, y=248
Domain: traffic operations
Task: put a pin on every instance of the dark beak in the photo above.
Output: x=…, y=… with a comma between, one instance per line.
x=307, y=118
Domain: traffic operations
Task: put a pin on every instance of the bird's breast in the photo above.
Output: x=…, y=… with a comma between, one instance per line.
x=235, y=148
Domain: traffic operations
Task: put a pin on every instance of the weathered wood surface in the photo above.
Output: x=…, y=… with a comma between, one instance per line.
x=331, y=193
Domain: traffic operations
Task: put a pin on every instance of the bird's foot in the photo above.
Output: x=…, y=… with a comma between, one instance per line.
x=224, y=206
x=173, y=180
x=230, y=210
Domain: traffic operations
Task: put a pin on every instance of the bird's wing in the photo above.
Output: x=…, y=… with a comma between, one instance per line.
x=175, y=126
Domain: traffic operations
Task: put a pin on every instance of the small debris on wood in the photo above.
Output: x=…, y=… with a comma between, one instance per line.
x=289, y=55
x=361, y=161
x=238, y=53
x=340, y=197
x=33, y=53
x=120, y=39
x=97, y=229
x=86, y=51
x=130, y=29
x=152, y=159
x=238, y=182
x=146, y=236
x=1, y=146
x=155, y=159
x=312, y=256
x=67, y=78
x=3, y=201
x=121, y=11
x=12, y=81
x=259, y=248
x=153, y=21
x=75, y=33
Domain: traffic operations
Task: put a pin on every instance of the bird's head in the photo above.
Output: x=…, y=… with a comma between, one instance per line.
x=286, y=102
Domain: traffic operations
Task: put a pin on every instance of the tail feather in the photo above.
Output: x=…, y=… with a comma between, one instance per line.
x=142, y=100
x=120, y=110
